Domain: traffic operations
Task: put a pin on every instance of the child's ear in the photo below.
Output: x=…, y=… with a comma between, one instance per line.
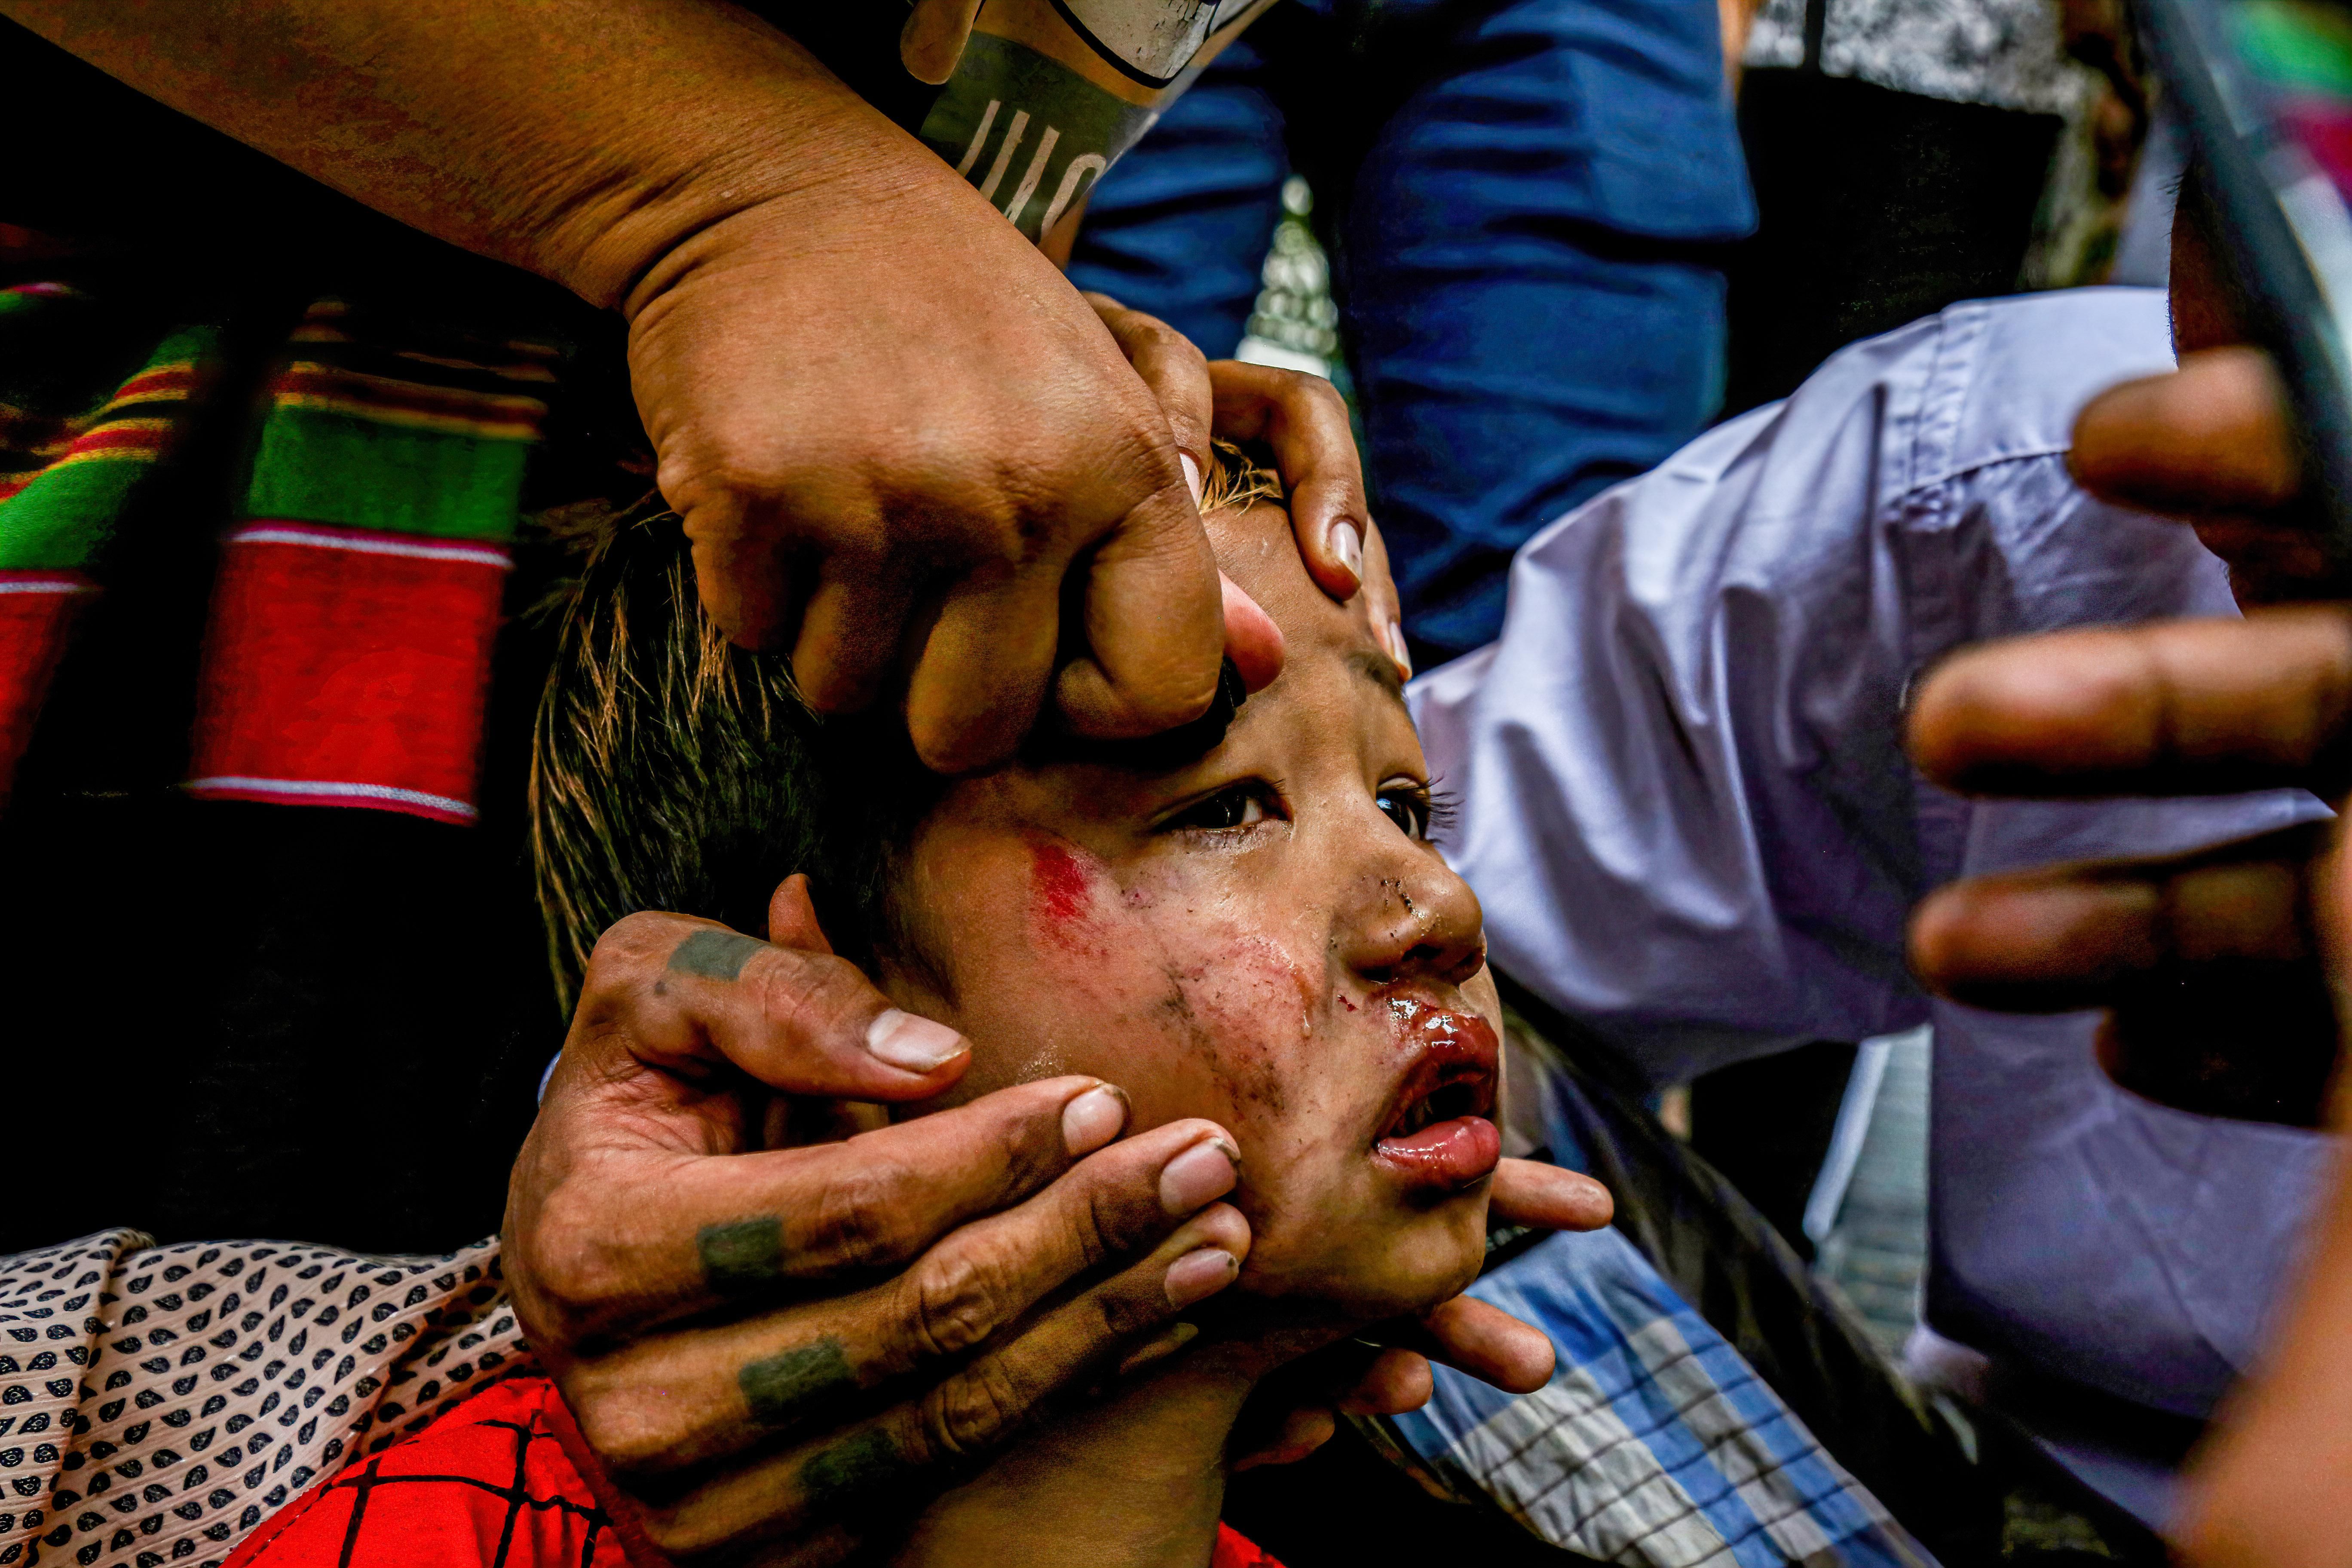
x=792, y=918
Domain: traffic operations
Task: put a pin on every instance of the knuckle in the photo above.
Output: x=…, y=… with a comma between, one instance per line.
x=724, y=459
x=1125, y=1308
x=630, y=1435
x=861, y=1215
x=959, y=1298
x=570, y=1267
x=1167, y=339
x=808, y=994
x=627, y=949
x=1107, y=1222
x=972, y=1412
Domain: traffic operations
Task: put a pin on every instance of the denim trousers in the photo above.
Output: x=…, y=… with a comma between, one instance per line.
x=1525, y=203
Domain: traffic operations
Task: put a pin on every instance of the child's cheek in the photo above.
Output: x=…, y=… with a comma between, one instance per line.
x=1207, y=1014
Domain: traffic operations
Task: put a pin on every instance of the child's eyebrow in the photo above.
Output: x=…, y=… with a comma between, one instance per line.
x=1381, y=670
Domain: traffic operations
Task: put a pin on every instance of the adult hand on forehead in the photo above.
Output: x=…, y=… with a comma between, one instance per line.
x=2244, y=946
x=764, y=1335
x=1303, y=421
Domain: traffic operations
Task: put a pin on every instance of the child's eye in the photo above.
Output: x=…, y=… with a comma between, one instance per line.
x=1410, y=804
x=1237, y=805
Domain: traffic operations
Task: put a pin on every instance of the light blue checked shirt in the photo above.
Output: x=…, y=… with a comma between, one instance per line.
x=1683, y=804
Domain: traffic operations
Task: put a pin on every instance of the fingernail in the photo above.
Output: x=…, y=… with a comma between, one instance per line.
x=1093, y=1118
x=1202, y=1272
x=1166, y=1345
x=1348, y=546
x=1192, y=477
x=912, y=1043
x=1204, y=1172
x=1398, y=652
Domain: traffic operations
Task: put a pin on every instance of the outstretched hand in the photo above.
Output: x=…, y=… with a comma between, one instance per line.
x=1387, y=1373
x=2223, y=971
x=2210, y=964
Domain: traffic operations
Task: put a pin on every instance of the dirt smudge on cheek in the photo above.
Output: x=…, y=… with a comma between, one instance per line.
x=1251, y=1012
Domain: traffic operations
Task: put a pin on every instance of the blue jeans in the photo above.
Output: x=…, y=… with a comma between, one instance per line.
x=1524, y=203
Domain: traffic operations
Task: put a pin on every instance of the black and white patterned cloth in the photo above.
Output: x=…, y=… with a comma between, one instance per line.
x=157, y=1402
x=2005, y=53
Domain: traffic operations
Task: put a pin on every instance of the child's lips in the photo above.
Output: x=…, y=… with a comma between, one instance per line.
x=1437, y=1131
x=1451, y=1153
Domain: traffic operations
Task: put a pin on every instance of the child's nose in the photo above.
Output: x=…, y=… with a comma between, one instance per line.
x=1419, y=921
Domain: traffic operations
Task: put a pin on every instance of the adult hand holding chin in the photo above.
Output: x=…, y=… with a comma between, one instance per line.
x=762, y=1328
x=765, y=1337
x=1388, y=1372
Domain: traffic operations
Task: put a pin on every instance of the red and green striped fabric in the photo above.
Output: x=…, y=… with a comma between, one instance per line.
x=77, y=435
x=346, y=660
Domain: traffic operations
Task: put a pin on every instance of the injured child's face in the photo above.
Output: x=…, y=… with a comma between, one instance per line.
x=1264, y=937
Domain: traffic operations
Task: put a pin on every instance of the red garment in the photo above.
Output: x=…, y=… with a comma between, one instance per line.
x=504, y=1480
x=1235, y=1549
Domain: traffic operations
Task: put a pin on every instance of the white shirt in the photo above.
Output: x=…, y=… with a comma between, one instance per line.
x=1683, y=800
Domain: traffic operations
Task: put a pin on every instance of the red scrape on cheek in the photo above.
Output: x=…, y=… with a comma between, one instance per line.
x=1057, y=875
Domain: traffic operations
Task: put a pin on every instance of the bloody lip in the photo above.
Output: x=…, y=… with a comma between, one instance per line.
x=1437, y=1133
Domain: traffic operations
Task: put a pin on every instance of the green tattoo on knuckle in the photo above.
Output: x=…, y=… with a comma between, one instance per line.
x=798, y=1384
x=742, y=1255
x=715, y=955
x=853, y=1475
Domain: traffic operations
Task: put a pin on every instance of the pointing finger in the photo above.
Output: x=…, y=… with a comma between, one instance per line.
x=1176, y=371
x=672, y=992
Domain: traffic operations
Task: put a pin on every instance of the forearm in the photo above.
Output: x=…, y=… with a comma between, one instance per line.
x=579, y=139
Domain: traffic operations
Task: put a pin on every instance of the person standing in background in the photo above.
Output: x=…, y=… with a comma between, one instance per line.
x=1527, y=204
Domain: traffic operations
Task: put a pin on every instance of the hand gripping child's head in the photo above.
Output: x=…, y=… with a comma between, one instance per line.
x=1243, y=921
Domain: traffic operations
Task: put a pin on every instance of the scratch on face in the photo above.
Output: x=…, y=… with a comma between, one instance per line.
x=1060, y=882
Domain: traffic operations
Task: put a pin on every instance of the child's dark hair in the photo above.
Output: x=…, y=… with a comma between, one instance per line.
x=672, y=769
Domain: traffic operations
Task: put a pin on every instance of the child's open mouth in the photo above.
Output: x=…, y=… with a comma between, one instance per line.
x=1438, y=1133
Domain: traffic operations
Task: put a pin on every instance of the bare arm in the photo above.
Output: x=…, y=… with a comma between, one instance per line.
x=579, y=139
x=891, y=426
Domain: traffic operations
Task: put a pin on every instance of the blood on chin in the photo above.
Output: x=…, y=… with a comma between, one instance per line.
x=1444, y=1155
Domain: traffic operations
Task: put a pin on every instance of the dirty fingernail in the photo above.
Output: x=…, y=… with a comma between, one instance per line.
x=1093, y=1118
x=1200, y=1174
x=1398, y=652
x=912, y=1043
x=1348, y=546
x=1202, y=1272
x=1191, y=476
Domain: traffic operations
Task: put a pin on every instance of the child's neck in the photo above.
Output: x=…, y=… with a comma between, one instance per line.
x=1136, y=1481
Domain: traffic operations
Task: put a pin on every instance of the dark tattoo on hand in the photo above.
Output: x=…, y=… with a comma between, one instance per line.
x=797, y=1385
x=715, y=955
x=741, y=1255
x=854, y=1475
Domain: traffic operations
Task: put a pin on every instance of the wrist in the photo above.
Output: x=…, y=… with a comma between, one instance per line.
x=617, y=215
x=625, y=212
